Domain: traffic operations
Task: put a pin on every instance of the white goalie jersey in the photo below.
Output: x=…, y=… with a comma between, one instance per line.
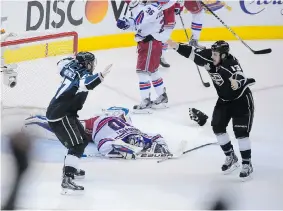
x=105, y=130
x=108, y=129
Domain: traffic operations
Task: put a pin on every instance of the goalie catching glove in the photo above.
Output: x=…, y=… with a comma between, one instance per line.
x=198, y=116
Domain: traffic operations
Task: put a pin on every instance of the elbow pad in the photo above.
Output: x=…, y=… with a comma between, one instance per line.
x=92, y=81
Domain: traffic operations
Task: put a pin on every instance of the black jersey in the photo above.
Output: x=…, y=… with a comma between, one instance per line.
x=220, y=74
x=73, y=91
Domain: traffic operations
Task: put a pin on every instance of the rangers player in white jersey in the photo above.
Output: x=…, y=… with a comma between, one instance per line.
x=112, y=133
x=146, y=18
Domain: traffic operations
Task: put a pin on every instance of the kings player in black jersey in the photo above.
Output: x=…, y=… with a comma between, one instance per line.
x=235, y=100
x=78, y=80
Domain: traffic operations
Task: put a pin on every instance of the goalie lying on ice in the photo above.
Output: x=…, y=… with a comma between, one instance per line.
x=112, y=133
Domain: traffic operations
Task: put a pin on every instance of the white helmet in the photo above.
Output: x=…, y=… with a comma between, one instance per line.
x=121, y=112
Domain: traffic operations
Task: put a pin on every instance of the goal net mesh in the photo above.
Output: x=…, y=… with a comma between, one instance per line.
x=36, y=58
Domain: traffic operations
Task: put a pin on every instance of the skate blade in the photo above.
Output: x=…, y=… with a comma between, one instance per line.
x=233, y=168
x=79, y=177
x=160, y=106
x=164, y=65
x=71, y=192
x=245, y=179
x=142, y=111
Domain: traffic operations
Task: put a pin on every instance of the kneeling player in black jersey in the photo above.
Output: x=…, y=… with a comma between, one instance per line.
x=235, y=100
x=78, y=79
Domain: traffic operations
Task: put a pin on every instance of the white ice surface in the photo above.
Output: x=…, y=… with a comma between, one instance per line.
x=188, y=183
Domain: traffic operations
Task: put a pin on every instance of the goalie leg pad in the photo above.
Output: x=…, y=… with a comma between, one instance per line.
x=127, y=150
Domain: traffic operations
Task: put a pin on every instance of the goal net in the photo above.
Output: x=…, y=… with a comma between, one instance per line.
x=37, y=80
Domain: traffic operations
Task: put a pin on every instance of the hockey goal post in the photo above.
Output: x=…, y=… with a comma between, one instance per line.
x=37, y=81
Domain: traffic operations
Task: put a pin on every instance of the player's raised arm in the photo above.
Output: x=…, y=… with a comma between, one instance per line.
x=91, y=81
x=126, y=21
x=198, y=56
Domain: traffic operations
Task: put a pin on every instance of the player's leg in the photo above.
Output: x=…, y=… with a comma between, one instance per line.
x=37, y=126
x=169, y=24
x=80, y=174
x=197, y=20
x=157, y=81
x=163, y=62
x=242, y=124
x=220, y=119
x=69, y=135
x=144, y=52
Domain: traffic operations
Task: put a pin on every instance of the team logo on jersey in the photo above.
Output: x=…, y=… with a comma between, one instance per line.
x=217, y=79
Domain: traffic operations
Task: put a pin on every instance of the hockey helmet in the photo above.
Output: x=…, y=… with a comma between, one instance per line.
x=121, y=112
x=87, y=59
x=221, y=46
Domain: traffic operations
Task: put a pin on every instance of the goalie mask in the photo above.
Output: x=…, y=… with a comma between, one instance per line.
x=121, y=112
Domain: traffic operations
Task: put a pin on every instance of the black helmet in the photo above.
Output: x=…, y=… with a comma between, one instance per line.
x=87, y=59
x=221, y=46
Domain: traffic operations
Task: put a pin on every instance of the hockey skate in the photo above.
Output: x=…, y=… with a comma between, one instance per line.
x=194, y=42
x=144, y=107
x=247, y=170
x=231, y=163
x=161, y=101
x=80, y=174
x=69, y=187
x=163, y=62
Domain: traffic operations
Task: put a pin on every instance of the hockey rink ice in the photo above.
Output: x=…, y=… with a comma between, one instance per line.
x=190, y=182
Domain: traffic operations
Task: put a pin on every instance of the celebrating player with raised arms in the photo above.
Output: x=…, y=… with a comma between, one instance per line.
x=78, y=80
x=113, y=134
x=235, y=100
x=146, y=18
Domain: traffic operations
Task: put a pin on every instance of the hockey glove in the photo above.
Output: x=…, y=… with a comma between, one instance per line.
x=198, y=116
x=123, y=24
x=178, y=9
x=159, y=148
x=235, y=84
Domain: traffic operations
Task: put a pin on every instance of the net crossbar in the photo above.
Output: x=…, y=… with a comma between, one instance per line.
x=36, y=58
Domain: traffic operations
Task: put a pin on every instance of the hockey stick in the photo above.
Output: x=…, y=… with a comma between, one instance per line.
x=138, y=156
x=185, y=152
x=126, y=10
x=264, y=51
x=206, y=84
x=143, y=155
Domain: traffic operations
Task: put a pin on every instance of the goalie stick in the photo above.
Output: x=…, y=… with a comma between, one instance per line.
x=264, y=51
x=205, y=84
x=175, y=156
x=143, y=155
x=138, y=156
